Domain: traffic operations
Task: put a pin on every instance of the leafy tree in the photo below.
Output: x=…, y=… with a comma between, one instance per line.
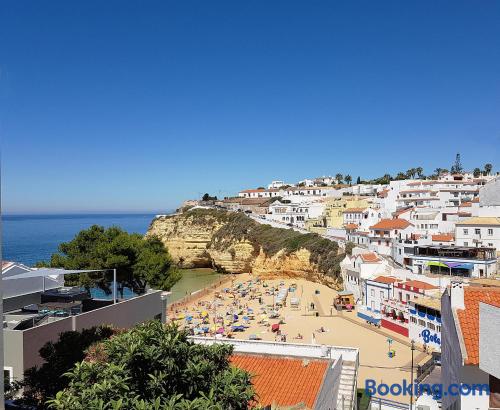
x=153, y=367
x=207, y=197
x=438, y=171
x=348, y=179
x=138, y=261
x=42, y=383
x=476, y=172
x=339, y=178
x=487, y=169
x=419, y=171
x=400, y=176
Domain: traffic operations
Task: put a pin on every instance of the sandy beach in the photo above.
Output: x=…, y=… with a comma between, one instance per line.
x=255, y=305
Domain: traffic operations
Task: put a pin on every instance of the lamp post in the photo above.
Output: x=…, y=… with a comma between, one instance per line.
x=411, y=390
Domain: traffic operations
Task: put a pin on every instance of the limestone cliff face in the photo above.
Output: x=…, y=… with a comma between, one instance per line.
x=192, y=242
x=186, y=238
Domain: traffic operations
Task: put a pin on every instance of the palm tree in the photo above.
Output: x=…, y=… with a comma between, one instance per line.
x=419, y=171
x=411, y=173
x=438, y=171
x=348, y=179
x=339, y=178
x=487, y=169
x=476, y=172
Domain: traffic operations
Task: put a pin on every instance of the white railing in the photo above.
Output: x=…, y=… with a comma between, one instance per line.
x=285, y=348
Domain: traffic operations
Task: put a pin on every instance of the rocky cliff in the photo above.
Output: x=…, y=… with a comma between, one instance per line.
x=234, y=243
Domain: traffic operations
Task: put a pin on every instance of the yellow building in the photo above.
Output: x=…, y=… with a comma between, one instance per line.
x=334, y=208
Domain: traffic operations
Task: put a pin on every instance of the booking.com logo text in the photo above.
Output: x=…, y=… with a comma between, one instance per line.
x=436, y=390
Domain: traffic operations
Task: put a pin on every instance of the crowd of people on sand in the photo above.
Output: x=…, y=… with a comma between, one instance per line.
x=232, y=310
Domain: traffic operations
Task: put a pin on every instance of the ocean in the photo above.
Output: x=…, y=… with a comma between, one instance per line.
x=31, y=238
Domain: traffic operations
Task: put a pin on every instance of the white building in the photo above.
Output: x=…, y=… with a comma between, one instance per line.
x=329, y=373
x=467, y=262
x=479, y=231
x=470, y=351
x=425, y=321
x=359, y=267
x=294, y=213
x=386, y=231
x=259, y=193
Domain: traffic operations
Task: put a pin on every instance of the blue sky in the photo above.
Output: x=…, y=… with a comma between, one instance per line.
x=135, y=106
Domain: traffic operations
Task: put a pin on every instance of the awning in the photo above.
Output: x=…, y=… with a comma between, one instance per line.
x=442, y=265
x=466, y=266
x=44, y=272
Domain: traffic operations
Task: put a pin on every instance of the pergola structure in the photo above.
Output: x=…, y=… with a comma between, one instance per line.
x=46, y=272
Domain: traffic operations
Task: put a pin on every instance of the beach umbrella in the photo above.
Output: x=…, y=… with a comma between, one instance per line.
x=246, y=318
x=204, y=313
x=263, y=316
x=220, y=330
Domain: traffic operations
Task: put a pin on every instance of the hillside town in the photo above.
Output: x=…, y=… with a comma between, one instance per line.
x=417, y=300
x=424, y=258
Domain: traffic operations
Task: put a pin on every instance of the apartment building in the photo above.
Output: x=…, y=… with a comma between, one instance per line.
x=479, y=231
x=470, y=349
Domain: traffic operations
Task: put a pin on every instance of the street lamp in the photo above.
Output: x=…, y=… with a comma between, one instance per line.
x=411, y=390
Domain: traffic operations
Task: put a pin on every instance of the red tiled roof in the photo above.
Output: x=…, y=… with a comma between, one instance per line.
x=419, y=285
x=386, y=279
x=391, y=224
x=369, y=257
x=283, y=381
x=443, y=237
x=260, y=190
x=354, y=210
x=351, y=226
x=469, y=317
x=402, y=211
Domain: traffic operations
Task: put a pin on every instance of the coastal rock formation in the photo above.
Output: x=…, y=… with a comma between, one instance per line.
x=234, y=243
x=186, y=237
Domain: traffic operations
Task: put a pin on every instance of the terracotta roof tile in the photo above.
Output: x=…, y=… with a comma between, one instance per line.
x=354, y=210
x=443, y=237
x=397, y=223
x=386, y=279
x=469, y=317
x=369, y=257
x=351, y=226
x=283, y=381
x=419, y=285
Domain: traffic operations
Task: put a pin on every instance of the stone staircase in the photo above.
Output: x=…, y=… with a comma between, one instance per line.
x=346, y=389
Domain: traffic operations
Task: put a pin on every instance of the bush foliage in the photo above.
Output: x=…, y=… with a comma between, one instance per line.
x=156, y=367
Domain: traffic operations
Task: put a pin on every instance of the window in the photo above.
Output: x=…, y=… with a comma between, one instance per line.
x=466, y=243
x=478, y=231
x=490, y=231
x=413, y=319
x=466, y=232
x=372, y=292
x=407, y=297
x=421, y=322
x=382, y=294
x=438, y=328
x=431, y=326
